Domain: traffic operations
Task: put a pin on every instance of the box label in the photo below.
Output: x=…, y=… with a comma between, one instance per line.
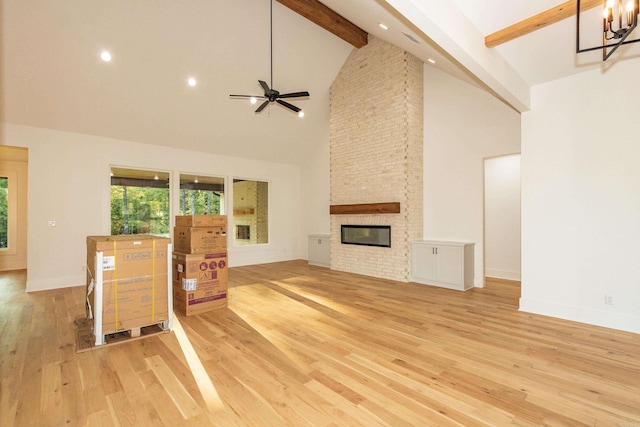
x=189, y=284
x=108, y=263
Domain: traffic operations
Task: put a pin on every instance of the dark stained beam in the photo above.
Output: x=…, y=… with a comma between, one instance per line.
x=365, y=209
x=321, y=15
x=536, y=22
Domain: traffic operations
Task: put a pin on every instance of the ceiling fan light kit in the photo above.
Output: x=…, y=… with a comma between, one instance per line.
x=271, y=95
x=618, y=22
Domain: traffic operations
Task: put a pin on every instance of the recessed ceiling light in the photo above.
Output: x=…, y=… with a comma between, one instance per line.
x=195, y=180
x=384, y=27
x=431, y=60
x=253, y=100
x=192, y=82
x=106, y=56
x=300, y=113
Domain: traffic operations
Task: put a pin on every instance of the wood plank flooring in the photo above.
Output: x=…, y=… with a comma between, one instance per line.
x=306, y=346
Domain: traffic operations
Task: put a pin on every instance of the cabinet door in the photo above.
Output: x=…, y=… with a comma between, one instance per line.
x=319, y=251
x=424, y=262
x=450, y=264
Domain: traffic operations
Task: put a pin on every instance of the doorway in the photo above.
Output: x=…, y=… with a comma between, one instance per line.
x=13, y=208
x=502, y=217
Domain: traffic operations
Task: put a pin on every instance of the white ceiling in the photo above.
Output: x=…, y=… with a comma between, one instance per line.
x=52, y=76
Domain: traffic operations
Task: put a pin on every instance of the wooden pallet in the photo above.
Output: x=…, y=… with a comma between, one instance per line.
x=86, y=340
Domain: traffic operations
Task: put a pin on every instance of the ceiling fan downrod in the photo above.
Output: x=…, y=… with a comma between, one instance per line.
x=271, y=95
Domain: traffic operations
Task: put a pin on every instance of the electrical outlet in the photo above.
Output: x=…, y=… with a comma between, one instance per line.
x=608, y=299
x=51, y=223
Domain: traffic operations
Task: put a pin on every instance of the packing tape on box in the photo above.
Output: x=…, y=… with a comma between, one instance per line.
x=89, y=291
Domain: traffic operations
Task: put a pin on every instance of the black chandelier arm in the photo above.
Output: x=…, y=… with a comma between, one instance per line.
x=620, y=34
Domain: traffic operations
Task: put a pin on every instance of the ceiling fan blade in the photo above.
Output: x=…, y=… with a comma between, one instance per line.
x=294, y=95
x=264, y=85
x=261, y=107
x=246, y=96
x=289, y=106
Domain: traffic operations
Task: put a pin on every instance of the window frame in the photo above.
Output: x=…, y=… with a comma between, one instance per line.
x=232, y=223
x=224, y=203
x=12, y=212
x=150, y=171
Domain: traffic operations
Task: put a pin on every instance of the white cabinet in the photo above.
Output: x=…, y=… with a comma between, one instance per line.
x=442, y=263
x=320, y=250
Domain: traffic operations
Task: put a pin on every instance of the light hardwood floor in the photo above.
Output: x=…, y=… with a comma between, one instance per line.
x=302, y=345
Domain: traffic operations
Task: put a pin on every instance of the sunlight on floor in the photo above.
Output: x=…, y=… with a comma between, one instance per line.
x=208, y=390
x=327, y=302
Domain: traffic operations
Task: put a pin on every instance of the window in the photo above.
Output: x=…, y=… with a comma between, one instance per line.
x=243, y=232
x=139, y=202
x=4, y=212
x=250, y=212
x=201, y=195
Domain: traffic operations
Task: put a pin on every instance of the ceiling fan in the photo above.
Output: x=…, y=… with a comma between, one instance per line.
x=270, y=94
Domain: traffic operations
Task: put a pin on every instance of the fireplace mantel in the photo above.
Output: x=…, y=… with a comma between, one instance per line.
x=365, y=209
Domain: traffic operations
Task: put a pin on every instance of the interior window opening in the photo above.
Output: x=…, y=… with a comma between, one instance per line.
x=139, y=202
x=250, y=212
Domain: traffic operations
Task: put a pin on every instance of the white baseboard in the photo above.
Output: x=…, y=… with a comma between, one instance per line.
x=502, y=274
x=590, y=316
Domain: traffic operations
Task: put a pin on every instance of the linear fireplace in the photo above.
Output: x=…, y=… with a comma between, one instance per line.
x=367, y=235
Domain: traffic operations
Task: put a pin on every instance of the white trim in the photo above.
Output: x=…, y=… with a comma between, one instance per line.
x=502, y=274
x=97, y=301
x=169, y=323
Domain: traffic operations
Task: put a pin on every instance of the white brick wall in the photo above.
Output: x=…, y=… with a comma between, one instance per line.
x=375, y=130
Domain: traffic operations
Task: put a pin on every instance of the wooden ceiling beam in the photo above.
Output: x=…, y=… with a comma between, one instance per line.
x=536, y=22
x=321, y=15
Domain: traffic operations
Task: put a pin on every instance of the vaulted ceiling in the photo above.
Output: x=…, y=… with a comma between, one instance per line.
x=52, y=75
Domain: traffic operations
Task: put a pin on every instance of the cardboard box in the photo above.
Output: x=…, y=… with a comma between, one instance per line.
x=200, y=240
x=201, y=221
x=206, y=269
x=135, y=280
x=198, y=301
x=200, y=282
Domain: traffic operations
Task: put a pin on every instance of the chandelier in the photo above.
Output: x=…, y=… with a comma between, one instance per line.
x=618, y=22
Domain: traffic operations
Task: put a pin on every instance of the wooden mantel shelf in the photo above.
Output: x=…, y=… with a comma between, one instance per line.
x=365, y=209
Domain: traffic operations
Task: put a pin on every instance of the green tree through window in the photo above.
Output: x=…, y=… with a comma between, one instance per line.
x=201, y=195
x=139, y=202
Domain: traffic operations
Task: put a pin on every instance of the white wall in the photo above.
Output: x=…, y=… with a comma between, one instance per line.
x=315, y=188
x=463, y=125
x=581, y=198
x=502, y=217
x=69, y=183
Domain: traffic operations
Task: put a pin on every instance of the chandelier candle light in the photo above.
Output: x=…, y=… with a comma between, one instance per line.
x=618, y=21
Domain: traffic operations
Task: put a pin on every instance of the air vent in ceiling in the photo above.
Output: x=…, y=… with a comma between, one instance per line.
x=410, y=37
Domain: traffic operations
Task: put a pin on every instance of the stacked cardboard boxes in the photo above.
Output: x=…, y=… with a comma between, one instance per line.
x=200, y=271
x=135, y=283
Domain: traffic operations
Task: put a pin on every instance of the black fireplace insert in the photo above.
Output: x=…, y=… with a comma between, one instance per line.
x=367, y=235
